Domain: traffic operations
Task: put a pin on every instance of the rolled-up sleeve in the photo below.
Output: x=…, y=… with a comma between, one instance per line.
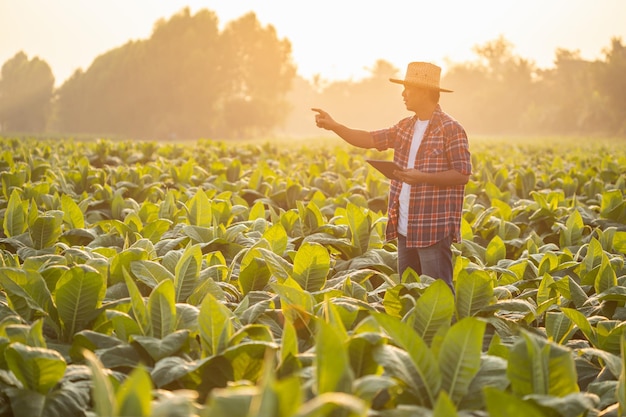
x=458, y=151
x=383, y=138
x=392, y=136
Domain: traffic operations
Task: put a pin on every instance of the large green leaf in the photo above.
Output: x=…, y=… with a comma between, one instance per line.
x=26, y=293
x=433, y=310
x=156, y=229
x=289, y=342
x=200, y=234
x=46, y=229
x=559, y=327
x=79, y=292
x=332, y=364
x=619, y=241
x=571, y=290
x=538, y=366
x=606, y=277
x=572, y=233
x=138, y=305
x=297, y=304
x=215, y=325
x=444, y=407
x=575, y=404
x=199, y=212
x=311, y=217
x=495, y=251
x=609, y=333
x=12, y=181
x=162, y=309
x=621, y=386
x=422, y=358
x=246, y=359
x=171, y=369
x=492, y=373
x=158, y=349
x=310, y=266
x=582, y=322
x=134, y=396
x=29, y=335
x=276, y=236
x=500, y=403
x=102, y=392
x=254, y=273
x=211, y=276
x=613, y=206
x=38, y=369
x=474, y=291
x=68, y=398
x=187, y=272
x=279, y=398
x=254, y=277
x=73, y=215
x=359, y=223
x=122, y=260
x=232, y=403
x=278, y=266
x=361, y=353
x=460, y=356
x=592, y=262
x=15, y=221
x=150, y=273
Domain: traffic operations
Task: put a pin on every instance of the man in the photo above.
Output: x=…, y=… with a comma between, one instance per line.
x=426, y=200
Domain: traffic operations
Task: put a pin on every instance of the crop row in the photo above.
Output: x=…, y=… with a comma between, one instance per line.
x=209, y=279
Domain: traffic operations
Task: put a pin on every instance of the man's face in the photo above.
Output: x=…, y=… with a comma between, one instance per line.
x=414, y=97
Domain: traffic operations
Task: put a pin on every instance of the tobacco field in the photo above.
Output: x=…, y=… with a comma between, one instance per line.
x=253, y=279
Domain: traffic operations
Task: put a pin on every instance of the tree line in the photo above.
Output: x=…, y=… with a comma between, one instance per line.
x=191, y=80
x=188, y=80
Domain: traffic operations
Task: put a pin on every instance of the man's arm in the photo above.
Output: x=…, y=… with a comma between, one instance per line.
x=441, y=179
x=460, y=167
x=355, y=137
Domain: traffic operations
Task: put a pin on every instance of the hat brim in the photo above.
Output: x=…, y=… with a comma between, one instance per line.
x=443, y=90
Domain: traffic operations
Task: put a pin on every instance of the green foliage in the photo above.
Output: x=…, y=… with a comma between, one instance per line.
x=79, y=292
x=196, y=285
x=38, y=369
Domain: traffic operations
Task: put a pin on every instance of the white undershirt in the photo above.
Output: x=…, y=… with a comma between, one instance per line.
x=405, y=192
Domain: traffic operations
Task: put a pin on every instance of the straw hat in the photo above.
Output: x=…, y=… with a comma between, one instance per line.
x=422, y=74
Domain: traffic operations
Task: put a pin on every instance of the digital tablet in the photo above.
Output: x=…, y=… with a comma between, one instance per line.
x=385, y=167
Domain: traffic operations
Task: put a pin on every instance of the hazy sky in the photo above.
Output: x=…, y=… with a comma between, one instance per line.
x=337, y=39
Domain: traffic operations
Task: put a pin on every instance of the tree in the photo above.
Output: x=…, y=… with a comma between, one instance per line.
x=612, y=85
x=184, y=76
x=106, y=98
x=25, y=92
x=186, y=81
x=494, y=92
x=567, y=99
x=259, y=69
x=161, y=88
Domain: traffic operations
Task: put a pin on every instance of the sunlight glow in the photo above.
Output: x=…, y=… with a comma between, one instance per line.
x=336, y=40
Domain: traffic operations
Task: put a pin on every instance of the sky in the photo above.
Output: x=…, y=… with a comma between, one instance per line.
x=333, y=39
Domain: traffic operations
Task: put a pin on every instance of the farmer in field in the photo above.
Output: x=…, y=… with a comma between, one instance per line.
x=426, y=198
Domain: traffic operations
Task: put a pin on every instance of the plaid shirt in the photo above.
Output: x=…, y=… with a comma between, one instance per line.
x=434, y=211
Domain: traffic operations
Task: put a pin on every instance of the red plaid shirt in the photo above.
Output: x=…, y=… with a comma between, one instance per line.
x=434, y=211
